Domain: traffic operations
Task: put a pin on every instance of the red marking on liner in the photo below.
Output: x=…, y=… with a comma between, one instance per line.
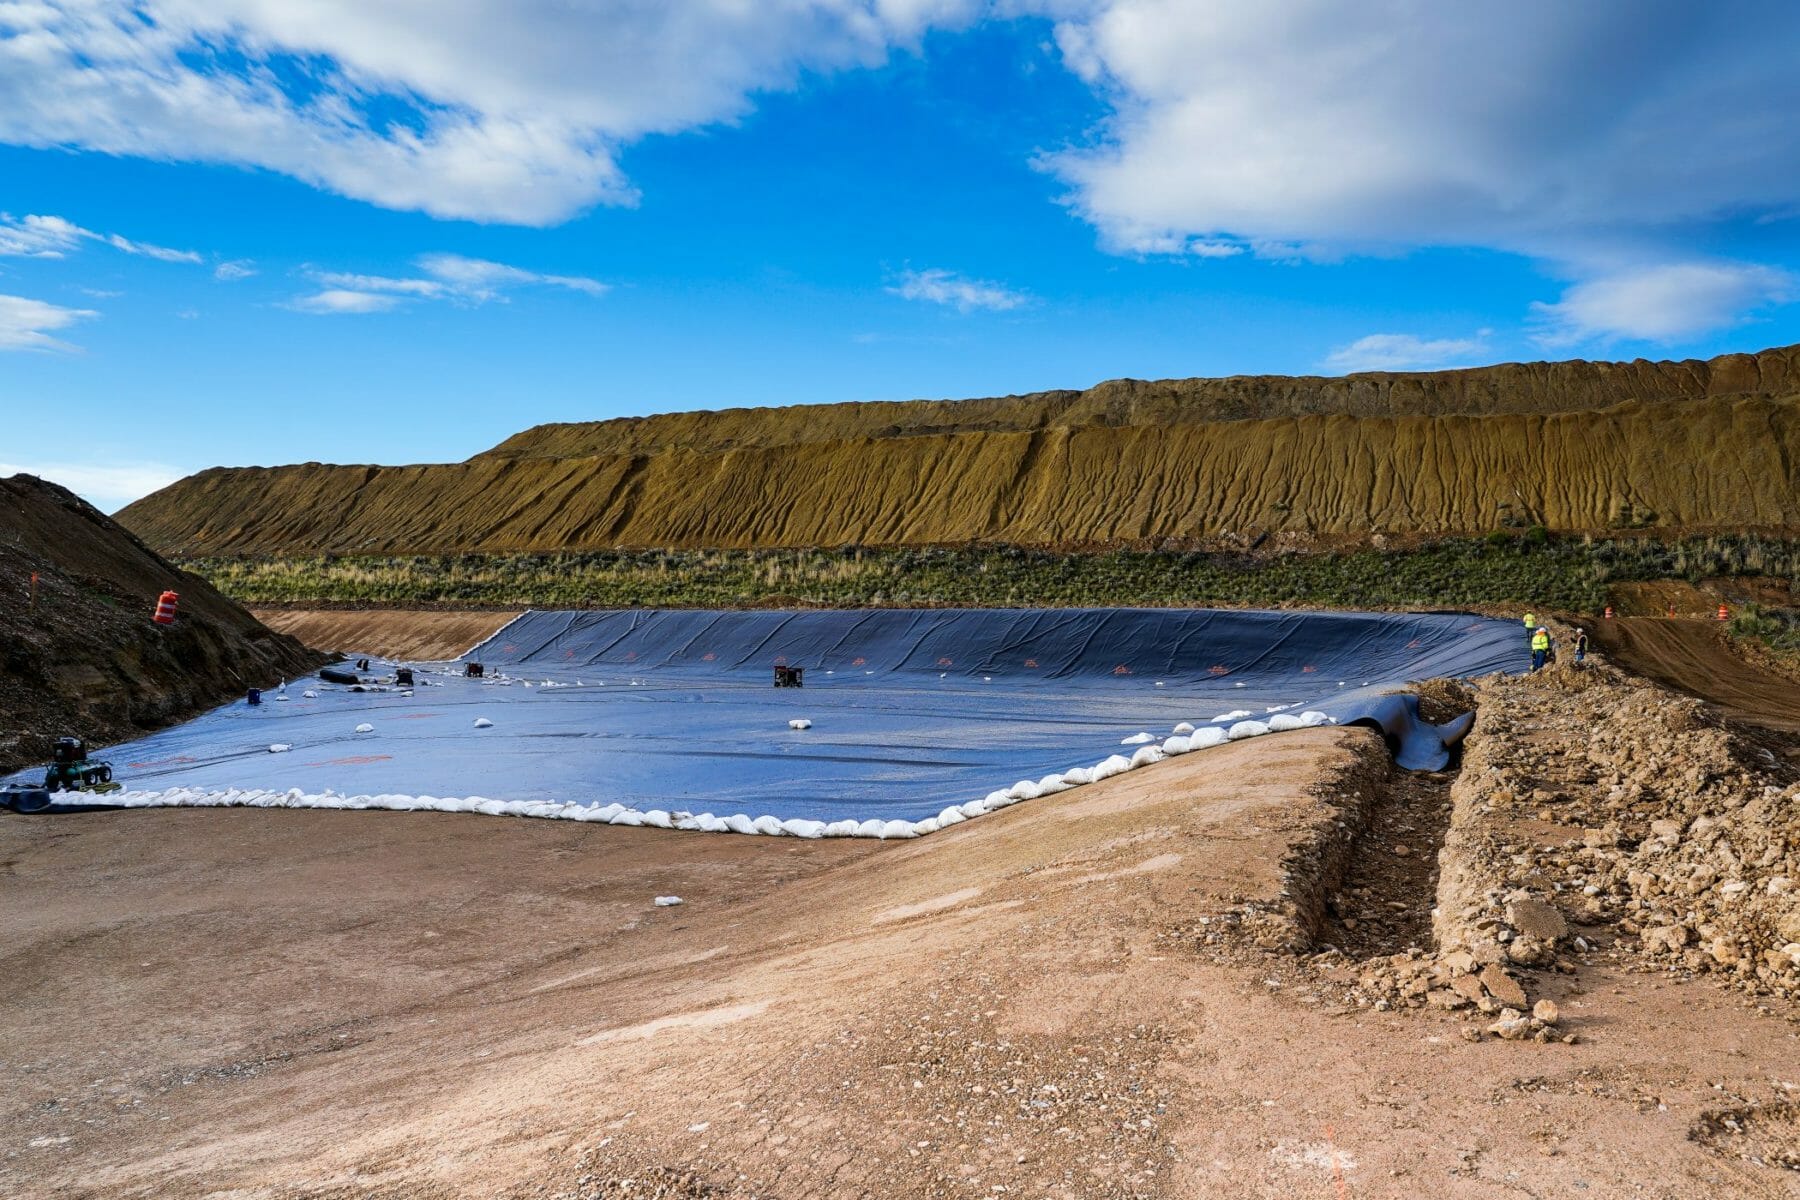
x=1031, y=662
x=857, y=662
x=1121, y=669
x=708, y=656
x=1309, y=669
x=1218, y=670
x=354, y=760
x=944, y=662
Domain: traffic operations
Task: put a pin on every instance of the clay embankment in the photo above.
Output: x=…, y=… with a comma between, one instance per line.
x=1691, y=465
x=85, y=659
x=1067, y=998
x=390, y=632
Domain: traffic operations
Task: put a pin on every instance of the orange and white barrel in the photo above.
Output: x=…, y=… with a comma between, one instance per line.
x=1609, y=615
x=1724, y=613
x=165, y=608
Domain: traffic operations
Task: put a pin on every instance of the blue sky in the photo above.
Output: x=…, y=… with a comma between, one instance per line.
x=241, y=231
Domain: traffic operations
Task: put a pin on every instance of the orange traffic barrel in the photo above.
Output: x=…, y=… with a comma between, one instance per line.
x=1724, y=613
x=1609, y=612
x=165, y=609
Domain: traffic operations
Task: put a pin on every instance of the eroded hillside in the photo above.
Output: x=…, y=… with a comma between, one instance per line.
x=1574, y=446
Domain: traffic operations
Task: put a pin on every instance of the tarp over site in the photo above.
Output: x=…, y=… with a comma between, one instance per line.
x=669, y=717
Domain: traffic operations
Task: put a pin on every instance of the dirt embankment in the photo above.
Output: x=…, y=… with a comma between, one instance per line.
x=1689, y=465
x=391, y=632
x=1156, y=986
x=85, y=659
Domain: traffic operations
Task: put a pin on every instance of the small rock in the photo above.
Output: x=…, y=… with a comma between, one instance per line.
x=1513, y=1025
x=667, y=901
x=1545, y=1011
x=1401, y=851
x=1468, y=987
x=1503, y=987
x=365, y=727
x=1537, y=919
x=483, y=723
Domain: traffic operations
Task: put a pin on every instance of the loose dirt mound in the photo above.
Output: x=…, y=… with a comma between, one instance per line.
x=86, y=659
x=390, y=632
x=1695, y=657
x=1700, y=464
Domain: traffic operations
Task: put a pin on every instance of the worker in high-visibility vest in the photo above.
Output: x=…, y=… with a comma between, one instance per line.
x=1581, y=645
x=1530, y=622
x=1540, y=648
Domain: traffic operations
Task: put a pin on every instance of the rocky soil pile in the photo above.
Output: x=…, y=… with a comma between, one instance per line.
x=85, y=659
x=1595, y=813
x=1596, y=799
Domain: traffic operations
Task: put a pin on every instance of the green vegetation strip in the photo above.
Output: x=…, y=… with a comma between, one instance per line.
x=1501, y=569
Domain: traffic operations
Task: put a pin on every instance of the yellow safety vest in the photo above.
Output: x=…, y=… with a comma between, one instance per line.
x=1530, y=620
x=1540, y=640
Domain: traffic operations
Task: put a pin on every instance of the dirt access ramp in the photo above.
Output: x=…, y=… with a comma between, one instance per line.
x=489, y=1006
x=1696, y=657
x=390, y=632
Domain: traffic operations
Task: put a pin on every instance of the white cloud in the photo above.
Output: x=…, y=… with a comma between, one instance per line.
x=447, y=277
x=27, y=324
x=481, y=278
x=344, y=300
x=1405, y=352
x=54, y=237
x=231, y=272
x=107, y=486
x=161, y=253
x=37, y=237
x=1536, y=126
x=1661, y=303
x=476, y=109
x=938, y=286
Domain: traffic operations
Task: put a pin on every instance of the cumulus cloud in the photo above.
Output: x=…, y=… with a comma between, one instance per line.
x=1535, y=126
x=477, y=109
x=26, y=324
x=1405, y=352
x=446, y=277
x=937, y=286
x=55, y=237
x=1586, y=136
x=1661, y=303
x=107, y=486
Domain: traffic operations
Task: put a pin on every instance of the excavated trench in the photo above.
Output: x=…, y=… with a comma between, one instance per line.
x=1382, y=903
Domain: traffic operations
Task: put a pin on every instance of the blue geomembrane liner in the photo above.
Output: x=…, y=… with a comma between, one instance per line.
x=910, y=710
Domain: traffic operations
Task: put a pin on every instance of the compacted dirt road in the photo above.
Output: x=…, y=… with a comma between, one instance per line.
x=1695, y=657
x=289, y=1004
